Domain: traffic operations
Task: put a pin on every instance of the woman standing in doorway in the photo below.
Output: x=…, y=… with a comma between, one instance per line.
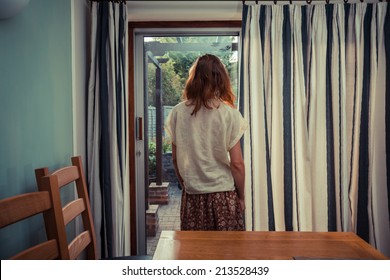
x=205, y=130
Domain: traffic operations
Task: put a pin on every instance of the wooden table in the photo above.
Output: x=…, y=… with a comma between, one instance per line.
x=246, y=245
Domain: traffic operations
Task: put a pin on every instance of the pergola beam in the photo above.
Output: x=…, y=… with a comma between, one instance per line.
x=159, y=49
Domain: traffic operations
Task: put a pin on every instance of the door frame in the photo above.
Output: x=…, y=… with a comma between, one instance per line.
x=134, y=27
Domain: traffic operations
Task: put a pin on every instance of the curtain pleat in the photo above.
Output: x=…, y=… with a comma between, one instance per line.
x=302, y=192
x=387, y=112
x=378, y=176
x=268, y=115
x=362, y=207
x=93, y=139
x=108, y=174
x=330, y=133
x=314, y=82
x=256, y=84
x=317, y=120
x=286, y=117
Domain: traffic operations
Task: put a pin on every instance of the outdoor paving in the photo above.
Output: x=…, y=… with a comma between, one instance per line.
x=169, y=217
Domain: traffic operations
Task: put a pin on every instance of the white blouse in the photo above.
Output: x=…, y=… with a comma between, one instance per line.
x=203, y=143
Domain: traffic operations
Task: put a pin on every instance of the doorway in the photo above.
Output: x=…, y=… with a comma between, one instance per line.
x=165, y=57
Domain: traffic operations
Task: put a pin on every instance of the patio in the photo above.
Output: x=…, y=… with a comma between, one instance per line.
x=169, y=217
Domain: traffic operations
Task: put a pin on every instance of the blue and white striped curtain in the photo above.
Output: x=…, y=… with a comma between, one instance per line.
x=315, y=87
x=108, y=153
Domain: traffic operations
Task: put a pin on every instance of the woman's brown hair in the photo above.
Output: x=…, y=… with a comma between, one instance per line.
x=208, y=79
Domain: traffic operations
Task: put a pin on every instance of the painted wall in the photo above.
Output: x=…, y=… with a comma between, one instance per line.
x=36, y=123
x=184, y=10
x=80, y=73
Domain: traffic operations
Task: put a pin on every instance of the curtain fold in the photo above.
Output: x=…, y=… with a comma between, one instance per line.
x=108, y=162
x=314, y=87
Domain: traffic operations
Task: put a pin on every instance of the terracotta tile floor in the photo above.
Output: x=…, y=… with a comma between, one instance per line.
x=169, y=217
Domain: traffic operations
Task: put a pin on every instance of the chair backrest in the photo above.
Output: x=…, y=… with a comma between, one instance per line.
x=80, y=206
x=20, y=207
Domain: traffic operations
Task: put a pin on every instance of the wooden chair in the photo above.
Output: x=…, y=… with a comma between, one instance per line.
x=53, y=182
x=20, y=207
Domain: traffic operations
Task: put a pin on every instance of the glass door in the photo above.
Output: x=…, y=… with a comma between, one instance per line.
x=165, y=58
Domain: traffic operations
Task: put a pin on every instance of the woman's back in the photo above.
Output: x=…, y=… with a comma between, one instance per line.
x=203, y=142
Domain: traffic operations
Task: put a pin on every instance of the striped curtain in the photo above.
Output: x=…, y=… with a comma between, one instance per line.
x=108, y=159
x=315, y=87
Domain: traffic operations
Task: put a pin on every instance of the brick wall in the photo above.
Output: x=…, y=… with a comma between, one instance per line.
x=158, y=194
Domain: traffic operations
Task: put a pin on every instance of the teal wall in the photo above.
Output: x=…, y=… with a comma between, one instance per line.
x=35, y=105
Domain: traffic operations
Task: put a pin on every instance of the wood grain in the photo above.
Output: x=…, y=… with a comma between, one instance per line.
x=235, y=245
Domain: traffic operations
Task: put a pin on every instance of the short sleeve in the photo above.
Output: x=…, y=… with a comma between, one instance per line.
x=238, y=127
x=170, y=127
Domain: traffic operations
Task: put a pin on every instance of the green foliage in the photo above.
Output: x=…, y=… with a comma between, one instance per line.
x=171, y=83
x=175, y=70
x=152, y=158
x=166, y=147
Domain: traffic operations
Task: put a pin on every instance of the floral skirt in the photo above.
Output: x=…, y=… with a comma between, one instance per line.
x=212, y=211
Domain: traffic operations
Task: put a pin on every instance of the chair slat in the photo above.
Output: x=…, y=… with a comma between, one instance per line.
x=73, y=209
x=44, y=251
x=17, y=208
x=79, y=244
x=67, y=175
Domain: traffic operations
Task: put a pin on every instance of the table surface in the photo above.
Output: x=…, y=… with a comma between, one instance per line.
x=265, y=245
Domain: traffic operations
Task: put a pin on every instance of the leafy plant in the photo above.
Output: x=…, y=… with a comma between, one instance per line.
x=166, y=147
x=152, y=158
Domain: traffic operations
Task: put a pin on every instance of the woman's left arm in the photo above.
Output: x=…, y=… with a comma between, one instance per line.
x=174, y=159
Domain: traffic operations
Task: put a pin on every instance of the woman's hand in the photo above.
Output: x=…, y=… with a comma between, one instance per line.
x=242, y=204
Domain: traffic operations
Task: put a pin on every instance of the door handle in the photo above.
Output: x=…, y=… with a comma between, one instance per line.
x=138, y=124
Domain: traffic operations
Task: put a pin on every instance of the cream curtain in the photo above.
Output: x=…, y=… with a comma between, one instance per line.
x=315, y=88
